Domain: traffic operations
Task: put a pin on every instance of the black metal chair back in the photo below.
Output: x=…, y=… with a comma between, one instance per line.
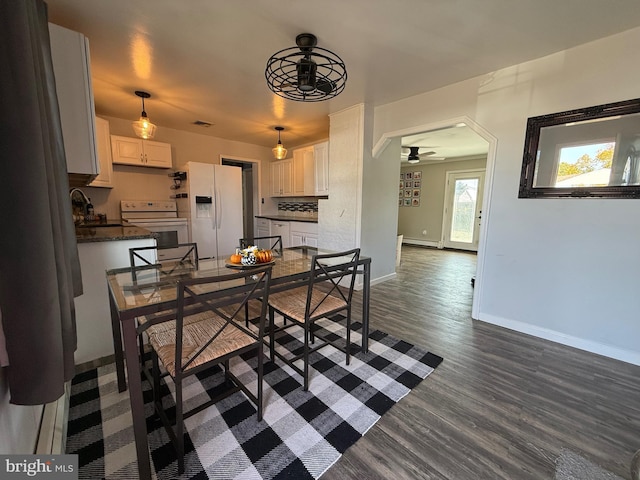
x=273, y=243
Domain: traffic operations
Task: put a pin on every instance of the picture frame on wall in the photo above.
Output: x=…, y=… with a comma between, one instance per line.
x=408, y=175
x=417, y=183
x=408, y=184
x=400, y=202
x=401, y=184
x=407, y=202
x=417, y=175
x=402, y=176
x=415, y=202
x=408, y=192
x=401, y=193
x=416, y=192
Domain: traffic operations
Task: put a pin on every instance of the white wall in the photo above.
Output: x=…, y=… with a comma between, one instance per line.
x=339, y=216
x=563, y=269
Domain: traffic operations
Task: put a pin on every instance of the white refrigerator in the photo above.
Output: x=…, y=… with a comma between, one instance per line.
x=213, y=207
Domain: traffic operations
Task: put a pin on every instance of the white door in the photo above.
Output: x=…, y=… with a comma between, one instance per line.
x=228, y=208
x=462, y=210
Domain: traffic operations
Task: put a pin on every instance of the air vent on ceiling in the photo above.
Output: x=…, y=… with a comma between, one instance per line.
x=202, y=123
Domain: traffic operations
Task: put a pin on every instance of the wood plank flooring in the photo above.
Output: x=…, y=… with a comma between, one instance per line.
x=502, y=404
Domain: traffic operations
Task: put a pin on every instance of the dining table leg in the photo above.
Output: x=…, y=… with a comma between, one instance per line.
x=365, y=306
x=136, y=399
x=117, y=344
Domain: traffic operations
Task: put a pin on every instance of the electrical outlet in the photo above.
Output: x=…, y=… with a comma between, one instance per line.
x=424, y=232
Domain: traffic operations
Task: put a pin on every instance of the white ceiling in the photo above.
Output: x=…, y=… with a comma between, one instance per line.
x=205, y=59
x=447, y=144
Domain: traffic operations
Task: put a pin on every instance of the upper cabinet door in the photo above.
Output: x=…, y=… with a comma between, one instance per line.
x=71, y=67
x=321, y=154
x=156, y=154
x=126, y=150
x=103, y=144
x=142, y=153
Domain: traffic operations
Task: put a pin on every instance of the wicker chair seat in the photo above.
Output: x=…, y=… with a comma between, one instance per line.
x=195, y=335
x=292, y=303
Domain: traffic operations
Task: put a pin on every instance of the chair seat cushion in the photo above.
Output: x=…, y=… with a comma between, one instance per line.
x=170, y=324
x=292, y=303
x=195, y=335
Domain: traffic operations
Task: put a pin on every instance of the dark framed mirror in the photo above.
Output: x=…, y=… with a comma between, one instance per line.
x=588, y=152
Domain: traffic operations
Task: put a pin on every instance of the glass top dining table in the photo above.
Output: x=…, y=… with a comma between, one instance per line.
x=142, y=291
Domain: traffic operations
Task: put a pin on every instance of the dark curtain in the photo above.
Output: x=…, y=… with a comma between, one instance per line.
x=39, y=266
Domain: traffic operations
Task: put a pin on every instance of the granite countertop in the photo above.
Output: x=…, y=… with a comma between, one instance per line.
x=109, y=234
x=289, y=218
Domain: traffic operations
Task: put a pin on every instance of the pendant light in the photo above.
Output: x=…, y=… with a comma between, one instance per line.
x=279, y=151
x=143, y=127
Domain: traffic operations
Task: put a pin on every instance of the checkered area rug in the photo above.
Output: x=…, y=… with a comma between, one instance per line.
x=301, y=435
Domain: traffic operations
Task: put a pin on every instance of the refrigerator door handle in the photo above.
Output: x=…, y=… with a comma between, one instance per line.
x=213, y=208
x=219, y=209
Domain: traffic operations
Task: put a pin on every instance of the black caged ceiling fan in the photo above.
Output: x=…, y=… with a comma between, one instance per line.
x=306, y=72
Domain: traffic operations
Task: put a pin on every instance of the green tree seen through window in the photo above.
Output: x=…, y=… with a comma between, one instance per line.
x=585, y=163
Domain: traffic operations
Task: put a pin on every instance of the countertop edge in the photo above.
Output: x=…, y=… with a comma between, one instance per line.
x=284, y=218
x=113, y=234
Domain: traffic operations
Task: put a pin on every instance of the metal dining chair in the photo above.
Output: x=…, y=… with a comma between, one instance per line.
x=329, y=291
x=202, y=333
x=182, y=255
x=273, y=243
x=175, y=257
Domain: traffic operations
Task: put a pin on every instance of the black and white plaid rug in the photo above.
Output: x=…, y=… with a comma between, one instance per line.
x=301, y=435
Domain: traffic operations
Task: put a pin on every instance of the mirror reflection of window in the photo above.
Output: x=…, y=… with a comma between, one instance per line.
x=585, y=165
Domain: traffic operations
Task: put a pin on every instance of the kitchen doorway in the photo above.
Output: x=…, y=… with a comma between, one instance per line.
x=250, y=190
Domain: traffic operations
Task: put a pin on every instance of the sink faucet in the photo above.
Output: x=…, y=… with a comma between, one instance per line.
x=79, y=202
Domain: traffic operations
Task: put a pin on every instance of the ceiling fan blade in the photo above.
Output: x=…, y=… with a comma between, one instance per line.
x=325, y=86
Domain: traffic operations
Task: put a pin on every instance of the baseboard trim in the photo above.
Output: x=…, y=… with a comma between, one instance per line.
x=609, y=351
x=423, y=243
x=52, y=437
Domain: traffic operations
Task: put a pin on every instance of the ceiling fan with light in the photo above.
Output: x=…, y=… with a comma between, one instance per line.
x=414, y=154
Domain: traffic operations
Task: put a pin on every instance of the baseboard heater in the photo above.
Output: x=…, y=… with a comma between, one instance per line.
x=52, y=437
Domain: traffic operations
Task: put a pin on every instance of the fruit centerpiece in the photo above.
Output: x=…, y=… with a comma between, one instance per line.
x=251, y=256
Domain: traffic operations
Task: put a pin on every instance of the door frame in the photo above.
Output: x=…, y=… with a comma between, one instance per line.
x=385, y=139
x=446, y=218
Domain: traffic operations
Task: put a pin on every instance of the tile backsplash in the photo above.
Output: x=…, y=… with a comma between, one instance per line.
x=301, y=209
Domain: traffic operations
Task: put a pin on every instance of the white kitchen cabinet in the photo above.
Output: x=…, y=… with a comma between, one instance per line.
x=303, y=233
x=141, y=153
x=281, y=228
x=103, y=145
x=321, y=159
x=304, y=172
x=262, y=227
x=282, y=178
x=72, y=70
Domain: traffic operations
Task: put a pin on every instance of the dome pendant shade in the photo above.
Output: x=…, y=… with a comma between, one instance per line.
x=279, y=152
x=143, y=128
x=306, y=72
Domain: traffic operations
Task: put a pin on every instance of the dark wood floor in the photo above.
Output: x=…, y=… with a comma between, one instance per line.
x=502, y=404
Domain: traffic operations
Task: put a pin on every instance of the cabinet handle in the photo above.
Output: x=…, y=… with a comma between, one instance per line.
x=145, y=158
x=141, y=159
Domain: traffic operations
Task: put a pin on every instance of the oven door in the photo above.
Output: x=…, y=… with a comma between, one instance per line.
x=168, y=235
